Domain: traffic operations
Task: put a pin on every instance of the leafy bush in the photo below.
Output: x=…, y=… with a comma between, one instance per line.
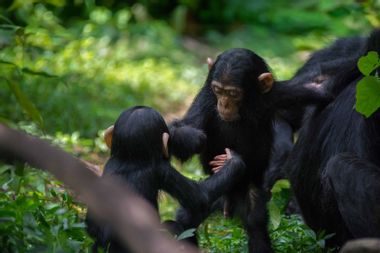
x=37, y=214
x=70, y=74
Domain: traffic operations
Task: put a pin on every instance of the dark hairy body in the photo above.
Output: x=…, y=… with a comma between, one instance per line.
x=334, y=166
x=246, y=127
x=320, y=69
x=140, y=160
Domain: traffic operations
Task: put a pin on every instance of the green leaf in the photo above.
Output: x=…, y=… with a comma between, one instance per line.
x=369, y=63
x=275, y=215
x=4, y=18
x=8, y=63
x=9, y=27
x=186, y=234
x=368, y=95
x=38, y=73
x=280, y=185
x=25, y=103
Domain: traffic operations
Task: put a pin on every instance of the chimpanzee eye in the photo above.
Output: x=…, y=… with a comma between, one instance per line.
x=234, y=93
x=217, y=90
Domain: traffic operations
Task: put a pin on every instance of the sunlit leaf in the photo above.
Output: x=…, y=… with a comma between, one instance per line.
x=368, y=63
x=280, y=184
x=275, y=215
x=368, y=95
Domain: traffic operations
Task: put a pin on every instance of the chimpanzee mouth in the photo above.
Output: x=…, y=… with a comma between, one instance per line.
x=229, y=117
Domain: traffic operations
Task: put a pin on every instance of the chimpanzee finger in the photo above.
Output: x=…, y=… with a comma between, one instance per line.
x=228, y=153
x=220, y=157
x=216, y=169
x=216, y=163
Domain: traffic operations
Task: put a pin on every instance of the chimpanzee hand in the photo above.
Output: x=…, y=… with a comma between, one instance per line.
x=220, y=160
x=185, y=140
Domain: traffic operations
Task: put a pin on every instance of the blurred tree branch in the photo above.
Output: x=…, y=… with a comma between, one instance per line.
x=134, y=220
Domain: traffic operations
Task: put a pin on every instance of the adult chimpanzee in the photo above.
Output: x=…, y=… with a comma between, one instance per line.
x=235, y=109
x=322, y=66
x=334, y=167
x=140, y=158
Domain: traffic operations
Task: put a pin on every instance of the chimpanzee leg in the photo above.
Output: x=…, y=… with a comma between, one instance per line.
x=282, y=145
x=255, y=220
x=355, y=183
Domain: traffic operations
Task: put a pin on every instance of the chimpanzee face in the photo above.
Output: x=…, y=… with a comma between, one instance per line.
x=233, y=76
x=229, y=99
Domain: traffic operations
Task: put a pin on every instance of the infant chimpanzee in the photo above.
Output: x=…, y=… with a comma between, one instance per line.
x=140, y=152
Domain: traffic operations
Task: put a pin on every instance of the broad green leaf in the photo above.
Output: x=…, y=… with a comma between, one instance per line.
x=368, y=63
x=186, y=234
x=25, y=103
x=368, y=95
x=275, y=215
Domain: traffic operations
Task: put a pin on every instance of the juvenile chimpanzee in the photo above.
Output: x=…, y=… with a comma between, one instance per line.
x=140, y=158
x=334, y=167
x=235, y=109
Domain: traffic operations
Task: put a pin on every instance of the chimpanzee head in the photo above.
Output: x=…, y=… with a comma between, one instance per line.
x=235, y=76
x=140, y=133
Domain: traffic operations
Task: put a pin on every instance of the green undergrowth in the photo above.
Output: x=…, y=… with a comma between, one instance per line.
x=66, y=79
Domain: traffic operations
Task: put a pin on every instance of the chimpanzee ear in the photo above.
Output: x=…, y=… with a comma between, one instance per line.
x=108, y=136
x=165, y=139
x=210, y=62
x=266, y=82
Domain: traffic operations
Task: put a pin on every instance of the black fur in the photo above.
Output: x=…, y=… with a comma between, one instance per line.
x=320, y=69
x=334, y=166
x=137, y=160
x=251, y=136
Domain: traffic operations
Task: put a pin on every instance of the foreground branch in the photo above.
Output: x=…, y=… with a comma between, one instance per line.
x=133, y=219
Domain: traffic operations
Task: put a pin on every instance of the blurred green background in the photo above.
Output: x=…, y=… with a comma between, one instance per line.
x=68, y=68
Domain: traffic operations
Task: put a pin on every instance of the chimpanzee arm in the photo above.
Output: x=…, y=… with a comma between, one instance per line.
x=225, y=179
x=355, y=186
x=215, y=186
x=285, y=94
x=187, y=135
x=188, y=192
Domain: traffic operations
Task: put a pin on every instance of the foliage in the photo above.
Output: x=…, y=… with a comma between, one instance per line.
x=279, y=202
x=288, y=232
x=67, y=72
x=292, y=235
x=68, y=68
x=37, y=214
x=218, y=234
x=368, y=88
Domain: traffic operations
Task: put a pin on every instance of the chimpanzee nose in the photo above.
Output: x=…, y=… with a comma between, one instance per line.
x=223, y=102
